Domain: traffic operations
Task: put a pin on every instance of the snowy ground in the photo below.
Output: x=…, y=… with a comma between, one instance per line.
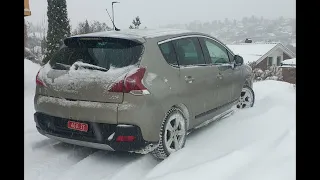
x=256, y=143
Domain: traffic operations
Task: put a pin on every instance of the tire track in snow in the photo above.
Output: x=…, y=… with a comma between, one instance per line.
x=49, y=163
x=44, y=143
x=97, y=166
x=137, y=169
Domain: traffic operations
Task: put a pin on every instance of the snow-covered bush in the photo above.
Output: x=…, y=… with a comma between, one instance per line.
x=273, y=73
x=28, y=54
x=257, y=73
x=276, y=71
x=272, y=78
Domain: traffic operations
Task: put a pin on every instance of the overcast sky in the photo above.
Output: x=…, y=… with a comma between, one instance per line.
x=154, y=13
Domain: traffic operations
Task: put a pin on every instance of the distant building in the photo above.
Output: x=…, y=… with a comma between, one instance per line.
x=263, y=55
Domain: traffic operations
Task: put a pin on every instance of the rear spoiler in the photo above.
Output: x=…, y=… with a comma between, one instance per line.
x=76, y=41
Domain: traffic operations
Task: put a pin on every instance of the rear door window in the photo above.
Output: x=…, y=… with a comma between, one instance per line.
x=105, y=53
x=188, y=51
x=168, y=53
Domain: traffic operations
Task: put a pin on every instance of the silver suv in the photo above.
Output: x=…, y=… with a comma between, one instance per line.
x=138, y=90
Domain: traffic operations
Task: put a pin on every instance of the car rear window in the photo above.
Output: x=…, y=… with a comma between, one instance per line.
x=102, y=52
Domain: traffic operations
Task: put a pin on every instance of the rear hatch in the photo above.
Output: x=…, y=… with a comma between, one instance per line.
x=85, y=68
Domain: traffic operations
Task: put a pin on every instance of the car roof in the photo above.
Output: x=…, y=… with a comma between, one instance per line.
x=141, y=34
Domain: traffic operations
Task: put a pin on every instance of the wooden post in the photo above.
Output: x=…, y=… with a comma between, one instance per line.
x=27, y=11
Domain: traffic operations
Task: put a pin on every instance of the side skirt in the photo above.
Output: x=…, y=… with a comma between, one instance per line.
x=220, y=116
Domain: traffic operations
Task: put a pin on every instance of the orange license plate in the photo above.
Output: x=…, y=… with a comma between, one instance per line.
x=78, y=126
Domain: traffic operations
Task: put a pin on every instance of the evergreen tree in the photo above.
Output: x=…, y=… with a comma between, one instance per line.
x=136, y=23
x=43, y=45
x=86, y=27
x=58, y=26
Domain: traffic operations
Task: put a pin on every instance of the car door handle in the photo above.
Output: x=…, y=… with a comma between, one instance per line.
x=219, y=76
x=189, y=79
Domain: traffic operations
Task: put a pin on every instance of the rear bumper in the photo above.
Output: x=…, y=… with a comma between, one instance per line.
x=80, y=110
x=142, y=111
x=99, y=135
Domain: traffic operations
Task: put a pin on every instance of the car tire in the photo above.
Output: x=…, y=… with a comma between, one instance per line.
x=247, y=98
x=173, y=134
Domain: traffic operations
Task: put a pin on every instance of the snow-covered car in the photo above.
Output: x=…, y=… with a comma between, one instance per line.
x=138, y=90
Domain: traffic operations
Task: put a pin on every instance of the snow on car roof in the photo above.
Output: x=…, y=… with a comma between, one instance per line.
x=138, y=34
x=251, y=52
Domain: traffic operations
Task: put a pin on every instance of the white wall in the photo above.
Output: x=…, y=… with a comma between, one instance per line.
x=274, y=56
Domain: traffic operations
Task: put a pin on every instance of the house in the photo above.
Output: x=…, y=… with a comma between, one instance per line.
x=289, y=70
x=27, y=11
x=263, y=55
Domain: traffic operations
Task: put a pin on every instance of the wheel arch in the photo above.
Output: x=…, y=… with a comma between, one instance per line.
x=184, y=110
x=248, y=82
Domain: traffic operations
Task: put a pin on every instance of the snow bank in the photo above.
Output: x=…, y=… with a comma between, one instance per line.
x=30, y=71
x=255, y=143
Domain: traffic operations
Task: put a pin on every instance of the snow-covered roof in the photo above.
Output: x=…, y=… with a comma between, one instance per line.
x=251, y=52
x=289, y=63
x=256, y=52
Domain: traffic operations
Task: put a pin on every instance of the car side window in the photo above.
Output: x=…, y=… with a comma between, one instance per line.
x=218, y=54
x=168, y=53
x=188, y=51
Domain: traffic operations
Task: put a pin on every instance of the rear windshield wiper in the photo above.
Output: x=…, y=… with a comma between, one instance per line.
x=88, y=66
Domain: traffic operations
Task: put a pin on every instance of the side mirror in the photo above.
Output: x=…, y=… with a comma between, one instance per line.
x=238, y=60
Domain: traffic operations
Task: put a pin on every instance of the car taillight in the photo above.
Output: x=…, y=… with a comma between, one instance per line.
x=132, y=83
x=38, y=80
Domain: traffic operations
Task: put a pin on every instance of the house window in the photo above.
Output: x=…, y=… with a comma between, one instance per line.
x=278, y=60
x=270, y=61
